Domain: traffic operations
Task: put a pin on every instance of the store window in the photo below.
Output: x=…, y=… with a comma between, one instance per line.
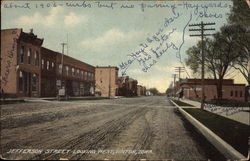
x=34, y=82
x=21, y=82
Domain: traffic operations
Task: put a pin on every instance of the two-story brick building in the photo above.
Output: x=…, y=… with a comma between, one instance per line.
x=77, y=77
x=20, y=63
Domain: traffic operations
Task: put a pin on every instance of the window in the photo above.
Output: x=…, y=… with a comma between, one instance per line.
x=67, y=70
x=86, y=75
x=52, y=65
x=236, y=93
x=34, y=82
x=47, y=65
x=36, y=57
x=29, y=56
x=232, y=93
x=42, y=63
x=21, y=81
x=60, y=69
x=22, y=54
x=241, y=94
x=73, y=71
x=82, y=75
x=77, y=71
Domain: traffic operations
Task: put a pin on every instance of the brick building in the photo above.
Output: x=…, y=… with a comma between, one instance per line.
x=141, y=91
x=77, y=77
x=106, y=81
x=20, y=67
x=192, y=89
x=30, y=70
x=48, y=73
x=127, y=86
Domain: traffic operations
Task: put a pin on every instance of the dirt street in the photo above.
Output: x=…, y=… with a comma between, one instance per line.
x=126, y=128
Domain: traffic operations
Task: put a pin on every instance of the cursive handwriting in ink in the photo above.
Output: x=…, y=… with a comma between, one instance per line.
x=12, y=5
x=83, y=4
x=9, y=60
x=147, y=67
x=106, y=5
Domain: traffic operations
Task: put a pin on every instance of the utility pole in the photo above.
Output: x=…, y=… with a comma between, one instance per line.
x=174, y=75
x=201, y=29
x=63, y=44
x=179, y=70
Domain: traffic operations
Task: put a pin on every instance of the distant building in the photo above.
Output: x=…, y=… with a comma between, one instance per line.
x=192, y=89
x=106, y=81
x=127, y=86
x=20, y=63
x=141, y=91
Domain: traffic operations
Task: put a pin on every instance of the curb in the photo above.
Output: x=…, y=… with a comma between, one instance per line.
x=227, y=150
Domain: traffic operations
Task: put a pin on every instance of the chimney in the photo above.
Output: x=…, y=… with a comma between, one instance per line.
x=31, y=31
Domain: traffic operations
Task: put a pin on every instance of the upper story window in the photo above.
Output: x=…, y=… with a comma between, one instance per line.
x=86, y=76
x=236, y=93
x=67, y=70
x=47, y=65
x=241, y=94
x=232, y=93
x=42, y=63
x=52, y=65
x=82, y=76
x=77, y=71
x=22, y=54
x=29, y=56
x=60, y=69
x=36, y=57
x=73, y=71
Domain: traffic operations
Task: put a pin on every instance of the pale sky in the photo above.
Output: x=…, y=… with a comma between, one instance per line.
x=107, y=36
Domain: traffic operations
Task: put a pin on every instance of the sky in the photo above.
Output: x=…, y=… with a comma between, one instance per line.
x=145, y=41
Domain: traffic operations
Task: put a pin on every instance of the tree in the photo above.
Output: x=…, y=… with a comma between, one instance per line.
x=220, y=54
x=242, y=43
x=240, y=13
x=154, y=91
x=240, y=17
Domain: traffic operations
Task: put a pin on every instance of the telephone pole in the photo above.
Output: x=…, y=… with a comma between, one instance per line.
x=179, y=70
x=63, y=44
x=202, y=29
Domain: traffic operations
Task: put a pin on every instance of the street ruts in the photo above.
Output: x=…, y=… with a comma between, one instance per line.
x=141, y=124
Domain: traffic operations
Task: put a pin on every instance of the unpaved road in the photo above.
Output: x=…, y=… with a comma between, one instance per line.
x=127, y=129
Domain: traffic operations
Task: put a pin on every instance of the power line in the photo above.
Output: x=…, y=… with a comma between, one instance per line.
x=202, y=29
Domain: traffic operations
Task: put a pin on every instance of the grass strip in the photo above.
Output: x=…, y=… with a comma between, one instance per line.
x=233, y=132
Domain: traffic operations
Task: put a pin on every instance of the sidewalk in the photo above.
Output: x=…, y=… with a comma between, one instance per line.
x=235, y=114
